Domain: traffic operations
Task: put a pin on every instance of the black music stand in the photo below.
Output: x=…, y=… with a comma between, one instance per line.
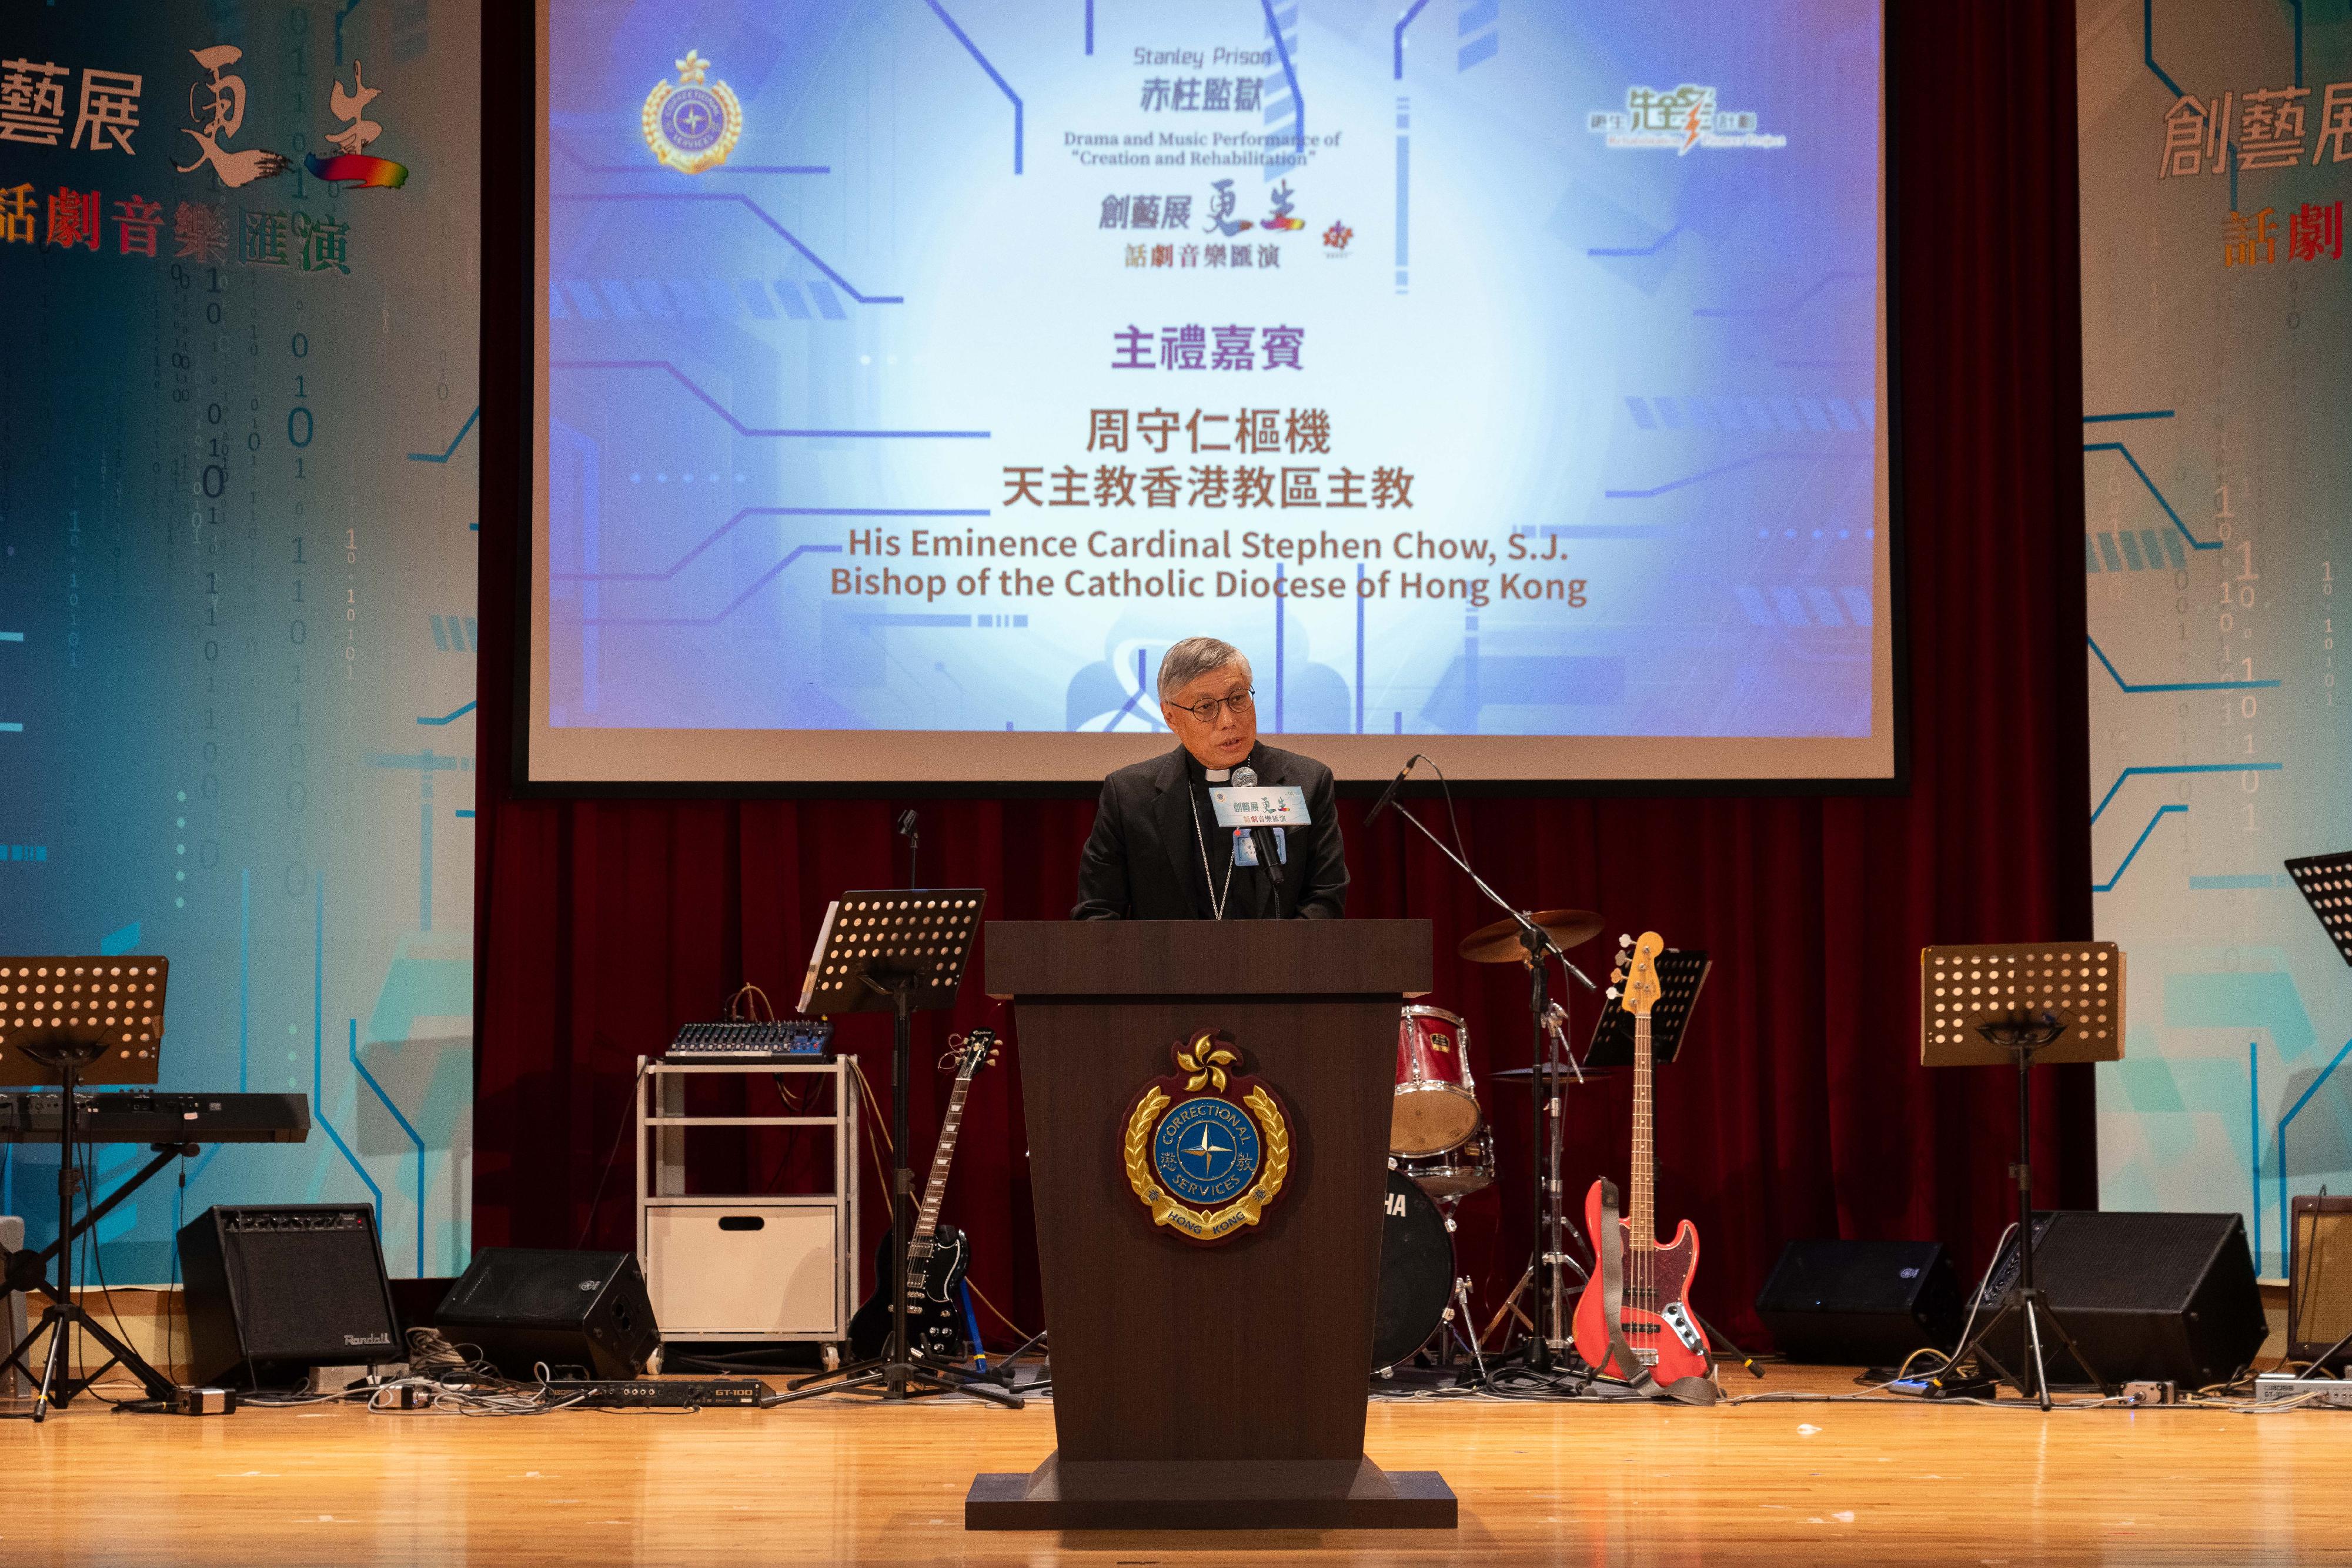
x=1681, y=972
x=2023, y=1003
x=74, y=1021
x=2326, y=881
x=904, y=949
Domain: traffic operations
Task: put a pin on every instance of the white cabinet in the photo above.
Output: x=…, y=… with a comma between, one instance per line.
x=747, y=1266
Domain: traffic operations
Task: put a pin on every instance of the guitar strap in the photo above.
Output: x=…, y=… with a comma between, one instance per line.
x=1682, y=1390
x=1613, y=1289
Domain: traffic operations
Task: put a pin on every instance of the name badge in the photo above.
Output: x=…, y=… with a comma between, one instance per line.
x=1266, y=806
x=1245, y=847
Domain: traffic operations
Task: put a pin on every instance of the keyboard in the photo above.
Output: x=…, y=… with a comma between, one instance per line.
x=750, y=1039
x=148, y=1117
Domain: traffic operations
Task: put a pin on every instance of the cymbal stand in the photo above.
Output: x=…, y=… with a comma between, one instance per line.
x=1538, y=946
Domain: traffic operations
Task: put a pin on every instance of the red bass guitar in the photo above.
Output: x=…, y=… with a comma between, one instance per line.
x=1659, y=1329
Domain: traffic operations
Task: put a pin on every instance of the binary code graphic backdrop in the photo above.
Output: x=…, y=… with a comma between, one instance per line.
x=2217, y=155
x=238, y=260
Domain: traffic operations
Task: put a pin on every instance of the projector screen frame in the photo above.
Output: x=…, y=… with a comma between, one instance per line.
x=526, y=223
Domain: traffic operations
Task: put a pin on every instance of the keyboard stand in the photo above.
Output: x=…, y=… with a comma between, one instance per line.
x=28, y=1271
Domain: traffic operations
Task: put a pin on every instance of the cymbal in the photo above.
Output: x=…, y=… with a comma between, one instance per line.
x=1499, y=942
x=1561, y=1075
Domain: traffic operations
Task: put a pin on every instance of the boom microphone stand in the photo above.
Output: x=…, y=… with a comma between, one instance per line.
x=1538, y=946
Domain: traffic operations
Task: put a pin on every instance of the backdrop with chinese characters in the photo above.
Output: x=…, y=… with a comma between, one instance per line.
x=239, y=249
x=2217, y=367
x=931, y=366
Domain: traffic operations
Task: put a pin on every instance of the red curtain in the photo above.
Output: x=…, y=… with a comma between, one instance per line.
x=1798, y=1107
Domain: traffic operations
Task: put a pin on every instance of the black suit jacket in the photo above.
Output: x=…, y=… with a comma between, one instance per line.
x=1143, y=862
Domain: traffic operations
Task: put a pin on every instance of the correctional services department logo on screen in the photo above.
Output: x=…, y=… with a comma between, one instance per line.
x=692, y=124
x=1206, y=1150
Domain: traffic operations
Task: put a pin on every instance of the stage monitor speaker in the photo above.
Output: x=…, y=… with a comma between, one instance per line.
x=1860, y=1303
x=2164, y=1297
x=525, y=1309
x=274, y=1289
x=2319, y=1275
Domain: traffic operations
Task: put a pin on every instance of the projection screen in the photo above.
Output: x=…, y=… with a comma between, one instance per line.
x=1508, y=383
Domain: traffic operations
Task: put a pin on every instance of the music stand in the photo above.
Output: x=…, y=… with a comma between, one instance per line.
x=2326, y=885
x=904, y=949
x=74, y=1021
x=1681, y=972
x=2023, y=1003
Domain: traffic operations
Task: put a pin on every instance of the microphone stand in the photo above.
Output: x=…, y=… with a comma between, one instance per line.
x=1548, y=1333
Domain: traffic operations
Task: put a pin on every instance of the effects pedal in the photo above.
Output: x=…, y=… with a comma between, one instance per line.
x=2274, y=1387
x=2151, y=1392
x=1946, y=1386
x=666, y=1393
x=188, y=1401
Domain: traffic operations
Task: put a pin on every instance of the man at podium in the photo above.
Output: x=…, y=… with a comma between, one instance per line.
x=1157, y=853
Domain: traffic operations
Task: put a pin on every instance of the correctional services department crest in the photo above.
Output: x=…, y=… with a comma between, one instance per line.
x=692, y=124
x=1206, y=1149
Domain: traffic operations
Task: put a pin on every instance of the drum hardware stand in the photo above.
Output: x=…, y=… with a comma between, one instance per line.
x=2020, y=989
x=1538, y=946
x=1459, y=1326
x=880, y=949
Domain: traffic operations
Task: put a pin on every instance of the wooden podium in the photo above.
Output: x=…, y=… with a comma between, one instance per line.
x=1209, y=1387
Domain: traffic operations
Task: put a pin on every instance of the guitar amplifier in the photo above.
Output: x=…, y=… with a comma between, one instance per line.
x=2319, y=1279
x=1860, y=1303
x=274, y=1289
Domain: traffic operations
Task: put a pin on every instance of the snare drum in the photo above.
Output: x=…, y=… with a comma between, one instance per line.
x=1458, y=1172
x=1436, y=1103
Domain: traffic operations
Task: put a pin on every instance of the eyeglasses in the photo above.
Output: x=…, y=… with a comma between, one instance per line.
x=1207, y=712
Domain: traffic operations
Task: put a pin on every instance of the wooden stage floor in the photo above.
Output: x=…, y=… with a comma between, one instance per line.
x=1756, y=1484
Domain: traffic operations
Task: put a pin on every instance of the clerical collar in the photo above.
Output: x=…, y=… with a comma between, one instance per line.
x=1204, y=775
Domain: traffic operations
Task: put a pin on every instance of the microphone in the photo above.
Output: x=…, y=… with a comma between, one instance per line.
x=1389, y=794
x=1246, y=778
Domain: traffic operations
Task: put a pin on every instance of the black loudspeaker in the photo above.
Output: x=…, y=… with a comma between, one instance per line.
x=275, y=1290
x=1860, y=1303
x=2167, y=1297
x=525, y=1308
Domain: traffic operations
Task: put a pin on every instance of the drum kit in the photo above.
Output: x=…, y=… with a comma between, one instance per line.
x=1441, y=1150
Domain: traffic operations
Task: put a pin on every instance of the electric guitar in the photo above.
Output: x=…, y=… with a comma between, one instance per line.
x=937, y=1254
x=1658, y=1329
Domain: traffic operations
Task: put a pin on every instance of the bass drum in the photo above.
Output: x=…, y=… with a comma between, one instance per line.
x=1416, y=1272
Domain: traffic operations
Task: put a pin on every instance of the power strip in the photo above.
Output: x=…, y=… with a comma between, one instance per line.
x=2272, y=1387
x=664, y=1392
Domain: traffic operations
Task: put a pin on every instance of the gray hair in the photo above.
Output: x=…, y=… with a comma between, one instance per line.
x=1187, y=660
